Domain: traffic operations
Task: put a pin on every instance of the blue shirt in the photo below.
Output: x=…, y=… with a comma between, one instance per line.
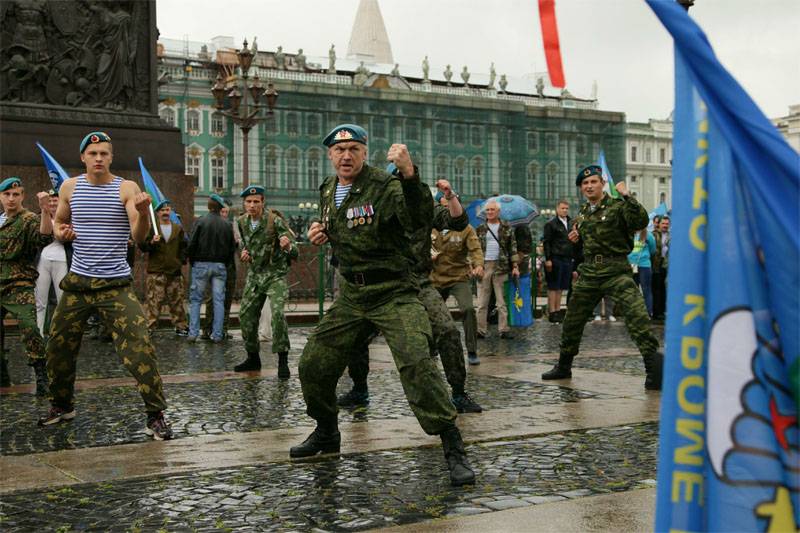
x=640, y=255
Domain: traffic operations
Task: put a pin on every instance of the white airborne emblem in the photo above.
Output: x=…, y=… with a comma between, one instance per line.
x=732, y=345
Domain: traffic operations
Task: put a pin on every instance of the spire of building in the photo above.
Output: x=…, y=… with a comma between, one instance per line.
x=368, y=40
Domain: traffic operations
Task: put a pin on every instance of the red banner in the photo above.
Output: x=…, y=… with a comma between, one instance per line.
x=552, y=50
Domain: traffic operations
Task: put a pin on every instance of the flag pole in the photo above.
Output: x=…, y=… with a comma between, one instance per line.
x=153, y=219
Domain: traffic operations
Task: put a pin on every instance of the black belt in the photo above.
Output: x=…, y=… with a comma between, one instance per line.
x=371, y=277
x=602, y=259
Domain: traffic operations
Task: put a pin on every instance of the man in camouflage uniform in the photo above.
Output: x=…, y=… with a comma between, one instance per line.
x=22, y=235
x=268, y=248
x=605, y=229
x=367, y=215
x=166, y=255
x=500, y=257
x=94, y=285
x=446, y=337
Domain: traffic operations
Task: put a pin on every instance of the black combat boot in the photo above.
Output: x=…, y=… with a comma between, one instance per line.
x=560, y=316
x=283, y=365
x=253, y=362
x=460, y=471
x=654, y=365
x=5, y=377
x=357, y=397
x=562, y=369
x=324, y=439
x=40, y=368
x=464, y=403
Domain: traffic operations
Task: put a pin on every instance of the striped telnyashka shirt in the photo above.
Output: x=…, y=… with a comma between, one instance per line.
x=101, y=224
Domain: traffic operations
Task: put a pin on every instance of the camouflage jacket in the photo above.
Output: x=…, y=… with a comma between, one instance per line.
x=607, y=234
x=508, y=246
x=263, y=243
x=20, y=242
x=422, y=264
x=458, y=252
x=370, y=230
x=660, y=261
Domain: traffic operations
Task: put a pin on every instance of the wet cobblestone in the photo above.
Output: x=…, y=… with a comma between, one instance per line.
x=355, y=492
x=114, y=415
x=631, y=365
x=176, y=356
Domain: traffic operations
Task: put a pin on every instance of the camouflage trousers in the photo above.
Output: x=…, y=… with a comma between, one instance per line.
x=168, y=290
x=257, y=288
x=21, y=302
x=446, y=341
x=230, y=289
x=120, y=311
x=347, y=327
x=588, y=291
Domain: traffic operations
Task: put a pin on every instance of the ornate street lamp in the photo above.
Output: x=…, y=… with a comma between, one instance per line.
x=239, y=98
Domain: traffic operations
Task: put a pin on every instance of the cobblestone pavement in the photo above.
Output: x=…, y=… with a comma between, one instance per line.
x=114, y=415
x=356, y=492
x=631, y=365
x=98, y=359
x=368, y=488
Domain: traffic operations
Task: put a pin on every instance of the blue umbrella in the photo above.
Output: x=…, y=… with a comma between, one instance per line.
x=514, y=209
x=472, y=209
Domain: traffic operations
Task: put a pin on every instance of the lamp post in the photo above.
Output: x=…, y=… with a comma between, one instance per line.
x=307, y=209
x=239, y=97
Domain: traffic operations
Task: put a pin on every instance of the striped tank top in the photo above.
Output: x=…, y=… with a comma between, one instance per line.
x=101, y=224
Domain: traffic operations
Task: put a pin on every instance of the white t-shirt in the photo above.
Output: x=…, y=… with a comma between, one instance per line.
x=54, y=252
x=166, y=231
x=564, y=221
x=492, y=246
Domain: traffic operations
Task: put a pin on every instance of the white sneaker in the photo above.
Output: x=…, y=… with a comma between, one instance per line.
x=612, y=318
x=597, y=318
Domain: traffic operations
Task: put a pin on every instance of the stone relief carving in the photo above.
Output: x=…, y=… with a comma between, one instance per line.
x=83, y=53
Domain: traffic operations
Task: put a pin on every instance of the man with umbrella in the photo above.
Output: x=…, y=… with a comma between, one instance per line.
x=499, y=248
x=605, y=229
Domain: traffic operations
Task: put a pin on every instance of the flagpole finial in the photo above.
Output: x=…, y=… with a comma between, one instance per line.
x=686, y=4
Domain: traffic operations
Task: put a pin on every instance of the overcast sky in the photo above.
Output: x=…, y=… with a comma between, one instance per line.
x=619, y=43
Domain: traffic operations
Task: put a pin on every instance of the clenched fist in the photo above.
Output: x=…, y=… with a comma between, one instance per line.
x=398, y=154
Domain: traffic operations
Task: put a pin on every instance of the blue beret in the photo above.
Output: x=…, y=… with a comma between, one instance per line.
x=253, y=189
x=52, y=192
x=591, y=170
x=95, y=137
x=217, y=198
x=10, y=183
x=345, y=133
x=161, y=204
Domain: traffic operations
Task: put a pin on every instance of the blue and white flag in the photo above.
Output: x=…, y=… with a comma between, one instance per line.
x=156, y=196
x=54, y=170
x=609, y=186
x=728, y=456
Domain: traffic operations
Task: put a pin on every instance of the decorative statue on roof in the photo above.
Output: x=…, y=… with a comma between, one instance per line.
x=594, y=90
x=465, y=76
x=280, y=58
x=426, y=68
x=448, y=75
x=492, y=76
x=396, y=70
x=362, y=73
x=503, y=83
x=540, y=86
x=566, y=94
x=332, y=60
x=300, y=60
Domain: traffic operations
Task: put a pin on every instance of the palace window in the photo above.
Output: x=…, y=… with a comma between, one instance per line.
x=533, y=141
x=292, y=168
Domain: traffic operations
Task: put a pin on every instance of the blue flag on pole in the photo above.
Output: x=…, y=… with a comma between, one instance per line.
x=156, y=196
x=54, y=170
x=728, y=456
x=609, y=186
